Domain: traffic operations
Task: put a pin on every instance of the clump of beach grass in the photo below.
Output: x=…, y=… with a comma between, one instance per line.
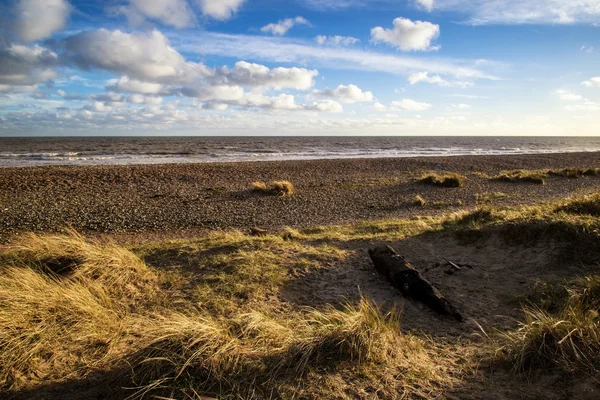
x=419, y=201
x=255, y=351
x=574, y=172
x=56, y=323
x=276, y=188
x=443, y=180
x=588, y=205
x=522, y=176
x=567, y=339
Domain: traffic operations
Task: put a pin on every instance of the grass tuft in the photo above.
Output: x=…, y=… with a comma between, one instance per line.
x=419, y=201
x=522, y=176
x=277, y=188
x=588, y=205
x=444, y=180
x=565, y=336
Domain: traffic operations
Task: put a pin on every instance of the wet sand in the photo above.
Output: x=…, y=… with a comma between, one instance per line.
x=179, y=197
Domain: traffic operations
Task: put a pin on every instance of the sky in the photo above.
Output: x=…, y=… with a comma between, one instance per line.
x=299, y=67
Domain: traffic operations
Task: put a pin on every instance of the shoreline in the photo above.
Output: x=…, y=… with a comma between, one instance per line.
x=334, y=158
x=178, y=197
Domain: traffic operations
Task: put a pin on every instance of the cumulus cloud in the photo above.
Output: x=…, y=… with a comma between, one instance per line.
x=419, y=77
x=126, y=84
x=39, y=19
x=282, y=27
x=170, y=12
x=256, y=75
x=330, y=106
x=408, y=35
x=410, y=105
x=220, y=9
x=593, y=82
x=568, y=96
x=336, y=40
x=23, y=68
x=345, y=94
x=143, y=56
x=141, y=99
x=379, y=107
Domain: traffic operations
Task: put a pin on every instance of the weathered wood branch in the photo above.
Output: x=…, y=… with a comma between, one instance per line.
x=410, y=282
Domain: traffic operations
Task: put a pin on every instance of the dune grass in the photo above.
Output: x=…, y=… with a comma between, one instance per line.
x=443, y=180
x=276, y=188
x=419, y=201
x=110, y=311
x=574, y=172
x=210, y=321
x=565, y=336
x=522, y=176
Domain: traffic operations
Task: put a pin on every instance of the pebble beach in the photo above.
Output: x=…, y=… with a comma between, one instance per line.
x=176, y=197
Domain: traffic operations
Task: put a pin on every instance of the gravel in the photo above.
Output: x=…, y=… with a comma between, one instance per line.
x=172, y=197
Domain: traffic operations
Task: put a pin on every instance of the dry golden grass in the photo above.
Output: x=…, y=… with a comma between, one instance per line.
x=419, y=201
x=522, y=176
x=567, y=338
x=277, y=188
x=107, y=311
x=574, y=172
x=211, y=322
x=444, y=180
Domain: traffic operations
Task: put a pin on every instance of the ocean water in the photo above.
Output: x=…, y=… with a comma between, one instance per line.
x=160, y=150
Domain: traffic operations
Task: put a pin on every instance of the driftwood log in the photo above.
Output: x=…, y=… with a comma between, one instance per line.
x=412, y=284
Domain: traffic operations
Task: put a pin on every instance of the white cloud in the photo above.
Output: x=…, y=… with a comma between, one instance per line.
x=98, y=106
x=379, y=107
x=345, y=94
x=408, y=35
x=329, y=106
x=276, y=49
x=462, y=106
x=143, y=56
x=282, y=27
x=410, y=105
x=221, y=93
x=427, y=4
x=418, y=77
x=593, y=82
x=256, y=75
x=568, y=96
x=587, y=49
x=220, y=9
x=524, y=12
x=587, y=105
x=170, y=12
x=39, y=19
x=141, y=99
x=480, y=12
x=468, y=96
x=22, y=68
x=336, y=40
x=125, y=84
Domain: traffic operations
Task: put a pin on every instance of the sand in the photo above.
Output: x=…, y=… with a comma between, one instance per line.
x=161, y=198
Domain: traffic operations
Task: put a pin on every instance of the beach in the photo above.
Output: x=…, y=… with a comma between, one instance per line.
x=180, y=197
x=133, y=281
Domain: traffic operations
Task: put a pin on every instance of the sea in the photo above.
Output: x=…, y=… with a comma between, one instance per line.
x=35, y=151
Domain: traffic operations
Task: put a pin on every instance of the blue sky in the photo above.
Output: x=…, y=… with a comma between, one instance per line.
x=300, y=67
